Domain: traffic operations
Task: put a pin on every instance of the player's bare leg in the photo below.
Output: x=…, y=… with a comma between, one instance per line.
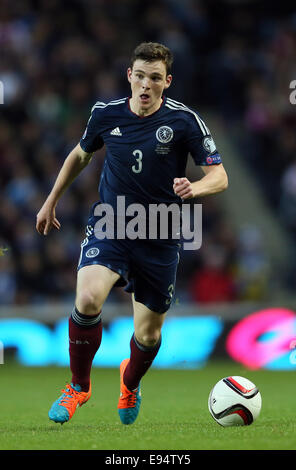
x=147, y=324
x=144, y=345
x=85, y=333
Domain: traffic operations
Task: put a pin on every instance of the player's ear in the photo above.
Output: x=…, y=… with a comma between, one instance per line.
x=168, y=81
x=129, y=74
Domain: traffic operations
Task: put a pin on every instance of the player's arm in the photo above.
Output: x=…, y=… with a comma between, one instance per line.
x=214, y=181
x=72, y=166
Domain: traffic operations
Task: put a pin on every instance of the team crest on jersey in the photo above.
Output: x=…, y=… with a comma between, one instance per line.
x=164, y=134
x=209, y=144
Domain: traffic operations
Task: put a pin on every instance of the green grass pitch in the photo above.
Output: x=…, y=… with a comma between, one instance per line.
x=173, y=415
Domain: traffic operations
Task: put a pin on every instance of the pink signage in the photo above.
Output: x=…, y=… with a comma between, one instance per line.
x=262, y=337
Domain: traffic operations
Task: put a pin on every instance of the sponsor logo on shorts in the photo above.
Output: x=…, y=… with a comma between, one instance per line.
x=92, y=252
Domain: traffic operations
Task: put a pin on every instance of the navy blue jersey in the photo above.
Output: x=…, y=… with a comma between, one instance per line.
x=145, y=154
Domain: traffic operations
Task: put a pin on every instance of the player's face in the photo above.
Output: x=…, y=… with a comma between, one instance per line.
x=148, y=81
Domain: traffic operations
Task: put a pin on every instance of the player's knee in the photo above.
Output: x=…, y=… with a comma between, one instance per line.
x=149, y=338
x=88, y=302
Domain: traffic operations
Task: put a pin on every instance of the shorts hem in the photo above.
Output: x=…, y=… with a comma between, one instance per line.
x=121, y=282
x=155, y=309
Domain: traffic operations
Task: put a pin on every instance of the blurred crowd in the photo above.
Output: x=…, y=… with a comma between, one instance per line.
x=58, y=58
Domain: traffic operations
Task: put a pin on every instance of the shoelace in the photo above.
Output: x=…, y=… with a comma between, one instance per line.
x=69, y=393
x=130, y=398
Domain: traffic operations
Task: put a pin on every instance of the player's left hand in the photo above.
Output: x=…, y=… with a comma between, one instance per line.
x=183, y=188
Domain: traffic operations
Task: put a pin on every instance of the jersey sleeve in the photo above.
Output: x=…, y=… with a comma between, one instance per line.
x=200, y=143
x=91, y=139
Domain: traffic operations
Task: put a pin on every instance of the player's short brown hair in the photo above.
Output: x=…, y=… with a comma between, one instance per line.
x=152, y=51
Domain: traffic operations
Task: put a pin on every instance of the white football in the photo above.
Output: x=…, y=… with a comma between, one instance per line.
x=235, y=401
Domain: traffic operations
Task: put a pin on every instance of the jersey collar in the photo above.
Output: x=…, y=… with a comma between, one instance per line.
x=145, y=117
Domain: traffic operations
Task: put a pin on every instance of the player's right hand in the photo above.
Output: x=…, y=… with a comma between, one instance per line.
x=46, y=219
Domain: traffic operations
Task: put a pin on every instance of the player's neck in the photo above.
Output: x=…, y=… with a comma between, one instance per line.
x=143, y=112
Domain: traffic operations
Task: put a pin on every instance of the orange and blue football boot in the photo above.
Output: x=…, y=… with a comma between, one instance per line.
x=129, y=401
x=65, y=406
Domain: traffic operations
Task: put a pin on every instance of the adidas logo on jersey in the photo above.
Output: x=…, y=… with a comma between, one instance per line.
x=116, y=131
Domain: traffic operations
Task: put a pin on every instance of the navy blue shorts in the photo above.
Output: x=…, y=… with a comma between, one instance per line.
x=147, y=268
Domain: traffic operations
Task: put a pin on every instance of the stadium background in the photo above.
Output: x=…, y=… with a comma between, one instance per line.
x=234, y=63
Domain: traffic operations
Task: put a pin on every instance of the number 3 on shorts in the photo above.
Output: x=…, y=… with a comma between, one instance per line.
x=171, y=293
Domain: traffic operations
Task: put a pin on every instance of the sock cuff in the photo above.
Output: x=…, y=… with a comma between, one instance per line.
x=146, y=348
x=85, y=321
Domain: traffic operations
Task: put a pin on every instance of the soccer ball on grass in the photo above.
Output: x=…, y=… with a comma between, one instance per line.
x=235, y=401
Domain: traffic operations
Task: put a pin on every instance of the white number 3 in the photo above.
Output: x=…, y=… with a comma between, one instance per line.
x=139, y=155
